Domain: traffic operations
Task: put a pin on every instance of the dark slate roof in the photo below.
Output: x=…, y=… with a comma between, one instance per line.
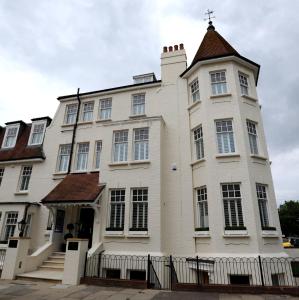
x=21, y=149
x=77, y=187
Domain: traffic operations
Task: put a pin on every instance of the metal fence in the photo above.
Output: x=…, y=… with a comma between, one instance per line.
x=166, y=272
x=2, y=257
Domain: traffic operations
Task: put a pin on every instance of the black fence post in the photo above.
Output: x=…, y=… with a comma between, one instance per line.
x=261, y=270
x=197, y=269
x=85, y=265
x=148, y=271
x=171, y=272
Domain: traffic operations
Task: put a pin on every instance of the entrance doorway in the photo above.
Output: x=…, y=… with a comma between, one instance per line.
x=86, y=224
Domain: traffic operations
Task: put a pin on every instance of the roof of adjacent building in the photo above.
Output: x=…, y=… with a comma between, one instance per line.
x=213, y=46
x=77, y=187
x=21, y=150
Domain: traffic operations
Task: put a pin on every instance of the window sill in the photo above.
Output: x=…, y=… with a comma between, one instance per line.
x=138, y=234
x=22, y=193
x=269, y=234
x=85, y=122
x=114, y=234
x=139, y=162
x=227, y=155
x=137, y=116
x=220, y=96
x=202, y=234
x=68, y=125
x=196, y=162
x=249, y=98
x=236, y=233
x=103, y=120
x=258, y=157
x=116, y=164
x=194, y=104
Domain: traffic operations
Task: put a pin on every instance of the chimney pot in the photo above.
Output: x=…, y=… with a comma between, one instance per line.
x=181, y=46
x=176, y=47
x=164, y=49
x=170, y=48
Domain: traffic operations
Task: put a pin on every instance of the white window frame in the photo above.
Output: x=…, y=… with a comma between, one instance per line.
x=198, y=143
x=194, y=90
x=105, y=110
x=13, y=223
x=218, y=82
x=262, y=198
x=27, y=229
x=141, y=145
x=79, y=165
x=225, y=139
x=8, y=127
x=60, y=155
x=120, y=153
x=26, y=173
x=138, y=104
x=97, y=154
x=2, y=171
x=253, y=137
x=87, y=111
x=143, y=214
x=30, y=141
x=202, y=211
x=113, y=225
x=244, y=83
x=232, y=202
x=73, y=113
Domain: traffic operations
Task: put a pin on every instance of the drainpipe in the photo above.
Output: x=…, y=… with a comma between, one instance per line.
x=74, y=132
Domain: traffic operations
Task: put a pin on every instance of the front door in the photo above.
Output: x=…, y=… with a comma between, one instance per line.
x=86, y=224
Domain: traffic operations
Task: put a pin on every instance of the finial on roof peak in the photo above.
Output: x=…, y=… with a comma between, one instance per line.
x=209, y=13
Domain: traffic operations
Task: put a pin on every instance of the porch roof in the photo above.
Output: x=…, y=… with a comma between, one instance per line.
x=79, y=187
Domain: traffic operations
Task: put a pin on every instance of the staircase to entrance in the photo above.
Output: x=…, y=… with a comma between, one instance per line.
x=50, y=270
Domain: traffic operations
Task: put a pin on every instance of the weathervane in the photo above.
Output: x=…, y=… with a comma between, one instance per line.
x=209, y=12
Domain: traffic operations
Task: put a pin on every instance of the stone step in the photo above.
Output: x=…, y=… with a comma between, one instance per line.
x=56, y=253
x=42, y=275
x=56, y=267
x=53, y=263
x=56, y=257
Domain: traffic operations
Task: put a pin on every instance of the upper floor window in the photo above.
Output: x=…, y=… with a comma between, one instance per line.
x=243, y=79
x=82, y=156
x=37, y=133
x=202, y=208
x=87, y=111
x=218, y=81
x=198, y=140
x=141, y=138
x=63, y=157
x=252, y=135
x=11, y=219
x=138, y=104
x=98, y=150
x=233, y=213
x=117, y=209
x=105, y=109
x=25, y=178
x=261, y=193
x=225, y=136
x=139, y=209
x=120, y=146
x=10, y=137
x=1, y=174
x=194, y=86
x=71, y=113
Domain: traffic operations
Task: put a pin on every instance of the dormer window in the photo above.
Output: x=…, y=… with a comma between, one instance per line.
x=144, y=78
x=37, y=133
x=10, y=137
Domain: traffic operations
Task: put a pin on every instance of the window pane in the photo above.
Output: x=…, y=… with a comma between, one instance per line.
x=88, y=111
x=105, y=109
x=262, y=202
x=25, y=178
x=218, y=81
x=64, y=157
x=202, y=208
x=141, y=139
x=225, y=136
x=98, y=150
x=139, y=209
x=138, y=104
x=117, y=209
x=120, y=145
x=82, y=156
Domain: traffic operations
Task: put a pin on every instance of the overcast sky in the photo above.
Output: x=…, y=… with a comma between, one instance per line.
x=50, y=48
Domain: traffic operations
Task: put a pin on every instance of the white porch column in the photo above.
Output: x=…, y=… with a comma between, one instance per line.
x=96, y=226
x=15, y=258
x=74, y=263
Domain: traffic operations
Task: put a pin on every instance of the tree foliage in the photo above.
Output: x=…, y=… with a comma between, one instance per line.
x=289, y=218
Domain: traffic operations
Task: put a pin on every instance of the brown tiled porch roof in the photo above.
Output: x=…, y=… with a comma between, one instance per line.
x=82, y=187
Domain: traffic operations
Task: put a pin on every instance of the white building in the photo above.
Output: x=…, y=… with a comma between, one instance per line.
x=172, y=166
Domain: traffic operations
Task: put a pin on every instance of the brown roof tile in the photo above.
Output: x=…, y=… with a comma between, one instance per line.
x=213, y=45
x=21, y=149
x=76, y=188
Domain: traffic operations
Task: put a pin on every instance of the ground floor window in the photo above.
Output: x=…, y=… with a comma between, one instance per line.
x=113, y=273
x=137, y=275
x=239, y=279
x=27, y=230
x=10, y=224
x=59, y=222
x=277, y=279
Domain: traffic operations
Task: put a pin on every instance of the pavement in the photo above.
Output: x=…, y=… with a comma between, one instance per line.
x=33, y=290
